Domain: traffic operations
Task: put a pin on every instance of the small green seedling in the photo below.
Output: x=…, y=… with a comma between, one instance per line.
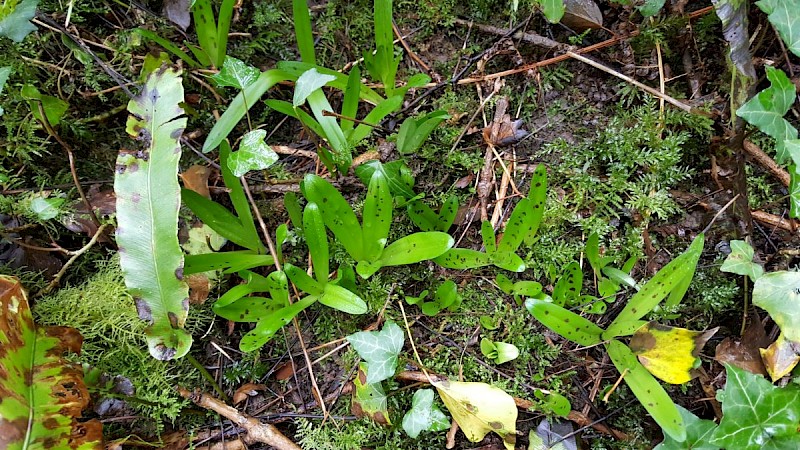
x=366, y=241
x=446, y=297
x=520, y=289
x=427, y=220
x=398, y=175
x=499, y=352
x=212, y=33
x=329, y=293
x=415, y=130
x=670, y=282
x=608, y=278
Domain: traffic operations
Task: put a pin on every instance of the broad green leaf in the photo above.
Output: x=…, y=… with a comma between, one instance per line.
x=480, y=408
x=568, y=287
x=309, y=82
x=240, y=104
x=228, y=261
x=304, y=282
x=767, y=108
x=508, y=261
x=374, y=117
x=740, y=261
x=46, y=208
x=253, y=283
x=778, y=293
x=15, y=19
x=350, y=101
x=41, y=394
x=268, y=326
x=499, y=352
x=650, y=394
x=239, y=200
x=592, y=250
x=54, y=108
x=756, y=414
x=698, y=434
x=415, y=248
x=463, y=258
x=397, y=174
x=336, y=213
x=651, y=7
x=424, y=415
x=553, y=10
x=302, y=31
x=219, y=219
x=517, y=227
x=4, y=73
x=317, y=241
x=340, y=298
x=376, y=217
x=253, y=154
x=369, y=400
x=669, y=353
x=423, y=216
x=297, y=68
x=783, y=15
x=564, y=322
x=416, y=129
x=488, y=237
x=148, y=199
x=538, y=198
x=672, y=280
x=379, y=349
x=248, y=309
x=553, y=402
x=236, y=73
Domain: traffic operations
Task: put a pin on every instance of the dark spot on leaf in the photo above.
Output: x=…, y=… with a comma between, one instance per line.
x=176, y=134
x=173, y=320
x=143, y=310
x=179, y=272
x=164, y=353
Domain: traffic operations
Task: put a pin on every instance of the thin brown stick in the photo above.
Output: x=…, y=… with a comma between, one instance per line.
x=767, y=162
x=257, y=431
x=775, y=221
x=73, y=257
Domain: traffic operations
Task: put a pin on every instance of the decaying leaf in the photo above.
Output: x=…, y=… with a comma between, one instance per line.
x=104, y=204
x=247, y=390
x=744, y=353
x=148, y=199
x=177, y=11
x=369, y=400
x=196, y=179
x=669, y=353
x=503, y=131
x=780, y=357
x=480, y=408
x=41, y=396
x=581, y=15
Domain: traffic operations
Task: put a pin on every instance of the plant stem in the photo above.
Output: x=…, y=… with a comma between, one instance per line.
x=208, y=377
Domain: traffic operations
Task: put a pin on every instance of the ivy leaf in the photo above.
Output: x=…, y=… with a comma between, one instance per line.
x=253, y=154
x=480, y=408
x=235, y=73
x=778, y=293
x=783, y=15
x=379, y=349
x=698, y=433
x=41, y=396
x=46, y=208
x=767, y=108
x=740, y=261
x=16, y=24
x=369, y=400
x=553, y=10
x=756, y=414
x=424, y=415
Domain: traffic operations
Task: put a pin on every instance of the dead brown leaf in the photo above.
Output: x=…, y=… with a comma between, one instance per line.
x=247, y=390
x=104, y=204
x=285, y=372
x=581, y=15
x=199, y=287
x=195, y=178
x=745, y=353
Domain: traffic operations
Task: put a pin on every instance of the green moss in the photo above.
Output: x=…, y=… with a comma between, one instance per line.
x=103, y=312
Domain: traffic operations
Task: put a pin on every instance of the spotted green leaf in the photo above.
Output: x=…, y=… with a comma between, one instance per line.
x=740, y=261
x=424, y=415
x=342, y=299
x=672, y=280
x=376, y=217
x=410, y=249
x=517, y=227
x=379, y=349
x=538, y=198
x=568, y=287
x=317, y=241
x=564, y=322
x=41, y=394
x=336, y=213
x=148, y=199
x=649, y=392
x=228, y=261
x=267, y=327
x=756, y=414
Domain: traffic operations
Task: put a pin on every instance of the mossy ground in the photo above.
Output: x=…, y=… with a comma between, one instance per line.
x=617, y=164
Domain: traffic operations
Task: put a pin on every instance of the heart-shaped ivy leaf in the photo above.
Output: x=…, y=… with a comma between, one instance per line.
x=424, y=415
x=379, y=349
x=253, y=154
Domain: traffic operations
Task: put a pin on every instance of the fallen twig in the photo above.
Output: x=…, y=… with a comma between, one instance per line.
x=73, y=256
x=765, y=160
x=775, y=221
x=257, y=431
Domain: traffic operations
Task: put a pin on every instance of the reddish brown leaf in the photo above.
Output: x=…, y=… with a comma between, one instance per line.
x=199, y=287
x=195, y=178
x=247, y=390
x=745, y=353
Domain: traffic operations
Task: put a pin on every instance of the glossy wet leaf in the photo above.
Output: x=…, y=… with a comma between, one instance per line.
x=376, y=216
x=740, y=261
x=767, y=108
x=253, y=283
x=650, y=394
x=236, y=73
x=756, y=414
x=397, y=174
x=778, y=293
x=463, y=258
x=411, y=249
x=148, y=200
x=669, y=353
x=488, y=237
x=424, y=415
x=267, y=327
x=480, y=408
x=309, y=82
x=304, y=282
x=517, y=227
x=698, y=434
x=672, y=280
x=780, y=357
x=369, y=400
x=733, y=15
x=564, y=322
x=783, y=15
x=379, y=349
x=41, y=394
x=538, y=198
x=16, y=23
x=253, y=154
x=342, y=299
x=247, y=309
x=553, y=402
x=651, y=7
x=297, y=68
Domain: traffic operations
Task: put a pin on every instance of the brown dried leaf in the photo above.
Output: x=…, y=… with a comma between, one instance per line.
x=503, y=131
x=247, y=390
x=195, y=178
x=780, y=357
x=744, y=353
x=177, y=11
x=104, y=204
x=199, y=287
x=581, y=15
x=285, y=372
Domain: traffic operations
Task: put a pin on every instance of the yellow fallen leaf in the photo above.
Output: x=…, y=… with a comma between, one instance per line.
x=780, y=357
x=480, y=408
x=669, y=353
